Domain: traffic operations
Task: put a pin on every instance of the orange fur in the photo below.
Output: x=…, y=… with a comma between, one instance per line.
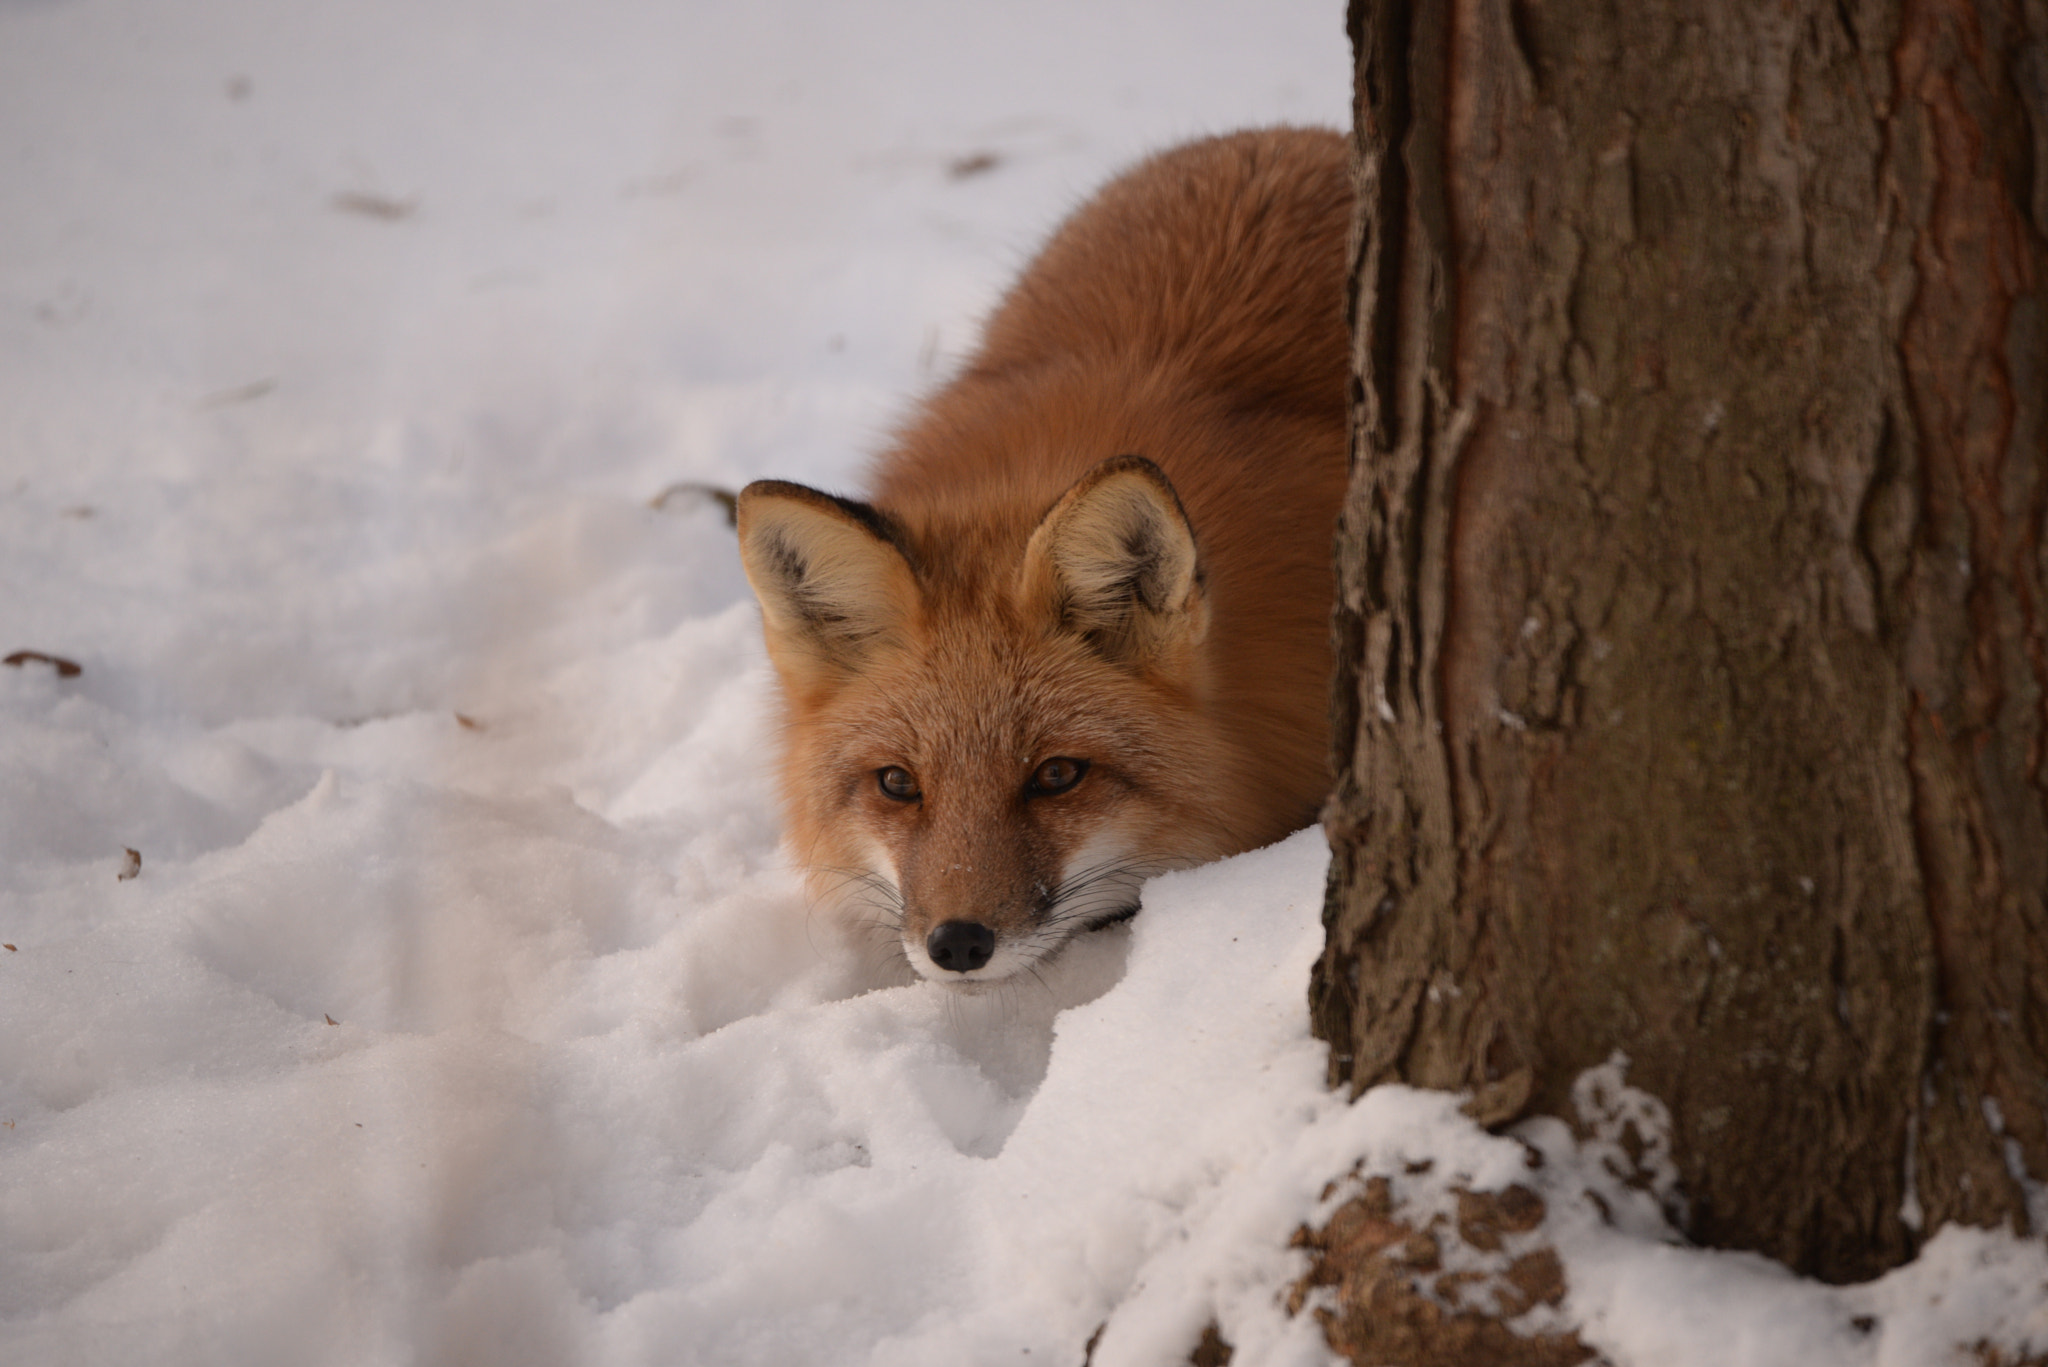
x=1012, y=595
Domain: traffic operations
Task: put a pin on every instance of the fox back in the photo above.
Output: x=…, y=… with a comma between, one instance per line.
x=1078, y=632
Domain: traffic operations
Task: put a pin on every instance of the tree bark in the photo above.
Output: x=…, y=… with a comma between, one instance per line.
x=1693, y=625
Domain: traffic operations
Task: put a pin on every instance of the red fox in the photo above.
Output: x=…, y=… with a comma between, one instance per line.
x=1078, y=634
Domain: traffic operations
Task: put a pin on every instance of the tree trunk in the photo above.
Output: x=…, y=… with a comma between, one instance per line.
x=1693, y=621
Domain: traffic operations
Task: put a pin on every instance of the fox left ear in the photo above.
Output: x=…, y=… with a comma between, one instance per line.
x=1115, y=561
x=832, y=577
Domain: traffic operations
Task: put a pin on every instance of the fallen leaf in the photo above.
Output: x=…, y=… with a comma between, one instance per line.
x=329, y=1019
x=130, y=866
x=973, y=164
x=366, y=205
x=241, y=393
x=66, y=669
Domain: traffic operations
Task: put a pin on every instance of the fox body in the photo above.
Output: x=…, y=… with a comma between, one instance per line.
x=1078, y=633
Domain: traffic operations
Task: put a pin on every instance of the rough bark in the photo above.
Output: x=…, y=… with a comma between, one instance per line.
x=1693, y=619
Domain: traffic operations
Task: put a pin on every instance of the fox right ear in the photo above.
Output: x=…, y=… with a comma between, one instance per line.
x=831, y=576
x=1115, y=561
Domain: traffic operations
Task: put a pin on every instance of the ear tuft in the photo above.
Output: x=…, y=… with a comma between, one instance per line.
x=831, y=574
x=1115, y=561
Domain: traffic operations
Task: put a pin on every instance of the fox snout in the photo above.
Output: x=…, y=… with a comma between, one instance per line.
x=968, y=925
x=977, y=901
x=958, y=914
x=947, y=937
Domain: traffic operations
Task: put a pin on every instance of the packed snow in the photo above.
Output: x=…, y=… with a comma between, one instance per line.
x=399, y=963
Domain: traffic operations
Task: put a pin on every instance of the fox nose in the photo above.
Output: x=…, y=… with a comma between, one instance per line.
x=960, y=946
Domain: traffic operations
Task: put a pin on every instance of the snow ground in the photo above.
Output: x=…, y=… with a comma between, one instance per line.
x=461, y=1009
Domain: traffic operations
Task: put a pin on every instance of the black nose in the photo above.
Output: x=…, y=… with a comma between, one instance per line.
x=961, y=946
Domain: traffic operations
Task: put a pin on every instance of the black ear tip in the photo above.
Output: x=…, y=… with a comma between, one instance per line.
x=1132, y=461
x=867, y=517
x=782, y=488
x=845, y=508
x=752, y=495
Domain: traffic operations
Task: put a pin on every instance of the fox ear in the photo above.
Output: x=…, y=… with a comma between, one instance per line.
x=832, y=578
x=1115, y=561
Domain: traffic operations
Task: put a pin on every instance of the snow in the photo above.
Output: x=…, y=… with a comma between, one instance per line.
x=462, y=1007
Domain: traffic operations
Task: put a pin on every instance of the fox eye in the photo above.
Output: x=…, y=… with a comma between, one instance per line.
x=1056, y=776
x=899, y=783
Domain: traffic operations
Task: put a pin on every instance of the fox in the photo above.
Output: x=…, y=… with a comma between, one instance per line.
x=1077, y=632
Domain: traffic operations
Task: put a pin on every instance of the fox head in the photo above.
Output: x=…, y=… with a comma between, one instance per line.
x=995, y=732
